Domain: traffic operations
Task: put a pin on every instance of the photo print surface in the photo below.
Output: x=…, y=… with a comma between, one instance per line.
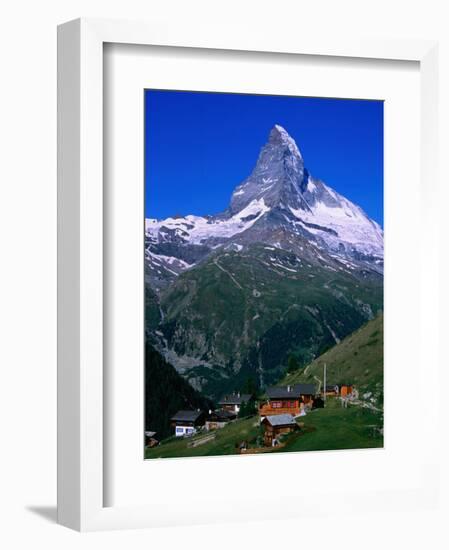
x=264, y=251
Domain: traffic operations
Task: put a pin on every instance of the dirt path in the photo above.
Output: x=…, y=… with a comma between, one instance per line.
x=319, y=382
x=365, y=405
x=307, y=368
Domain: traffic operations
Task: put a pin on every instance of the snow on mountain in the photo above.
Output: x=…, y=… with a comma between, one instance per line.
x=279, y=193
x=197, y=229
x=281, y=178
x=343, y=225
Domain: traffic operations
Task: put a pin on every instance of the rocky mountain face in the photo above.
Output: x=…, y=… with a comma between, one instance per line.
x=290, y=267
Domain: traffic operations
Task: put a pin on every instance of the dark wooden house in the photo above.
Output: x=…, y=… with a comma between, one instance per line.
x=187, y=422
x=275, y=426
x=234, y=401
x=331, y=391
x=219, y=419
x=288, y=399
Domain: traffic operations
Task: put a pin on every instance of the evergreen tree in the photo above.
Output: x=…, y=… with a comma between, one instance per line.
x=292, y=363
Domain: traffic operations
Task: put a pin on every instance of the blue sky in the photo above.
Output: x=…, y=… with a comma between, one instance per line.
x=200, y=146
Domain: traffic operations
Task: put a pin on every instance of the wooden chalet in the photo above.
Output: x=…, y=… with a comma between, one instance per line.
x=276, y=425
x=346, y=390
x=288, y=399
x=219, y=419
x=187, y=422
x=234, y=401
x=331, y=391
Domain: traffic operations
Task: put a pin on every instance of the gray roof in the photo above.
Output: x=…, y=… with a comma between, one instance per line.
x=295, y=390
x=235, y=399
x=281, y=420
x=222, y=415
x=186, y=416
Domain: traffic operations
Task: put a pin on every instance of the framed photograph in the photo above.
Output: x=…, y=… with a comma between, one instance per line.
x=263, y=298
x=234, y=275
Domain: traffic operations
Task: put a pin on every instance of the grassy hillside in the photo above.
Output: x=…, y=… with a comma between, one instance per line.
x=334, y=428
x=357, y=359
x=223, y=444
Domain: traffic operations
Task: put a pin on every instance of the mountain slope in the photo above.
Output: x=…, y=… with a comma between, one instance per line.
x=358, y=359
x=290, y=266
x=165, y=393
x=245, y=313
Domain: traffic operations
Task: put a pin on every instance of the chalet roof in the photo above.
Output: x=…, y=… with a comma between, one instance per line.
x=222, y=415
x=235, y=399
x=281, y=420
x=295, y=390
x=186, y=416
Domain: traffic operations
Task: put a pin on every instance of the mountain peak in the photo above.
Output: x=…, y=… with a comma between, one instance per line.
x=278, y=129
x=280, y=136
x=279, y=176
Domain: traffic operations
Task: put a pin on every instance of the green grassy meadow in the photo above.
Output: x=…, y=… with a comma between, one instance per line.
x=334, y=428
x=223, y=444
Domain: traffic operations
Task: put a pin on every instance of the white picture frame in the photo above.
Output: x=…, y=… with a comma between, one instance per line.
x=81, y=403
